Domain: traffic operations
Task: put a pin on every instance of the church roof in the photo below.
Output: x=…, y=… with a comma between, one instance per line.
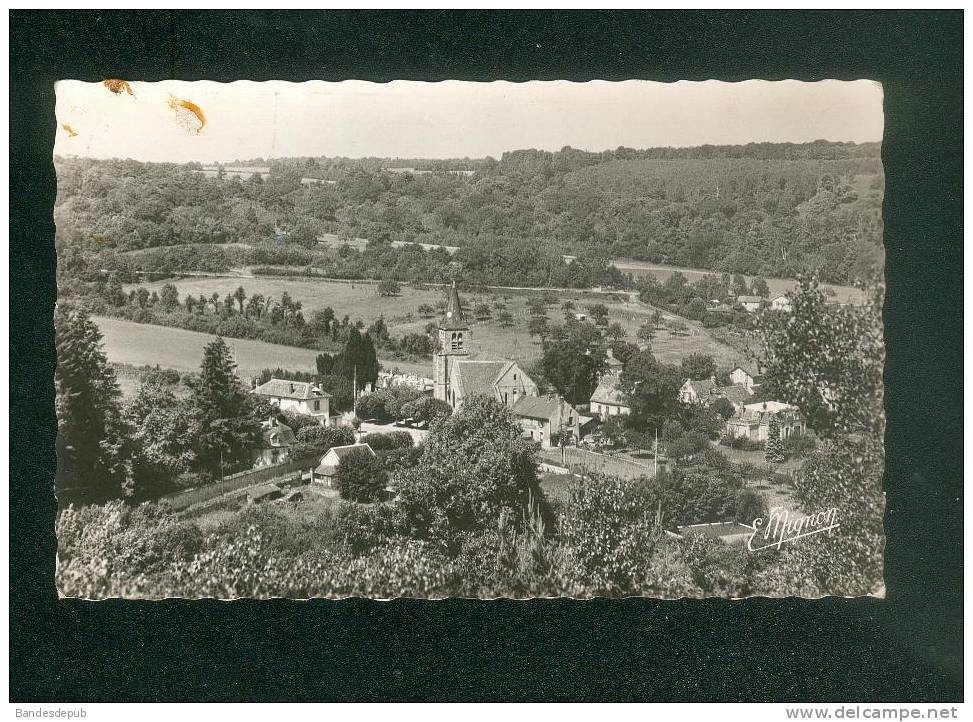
x=479, y=377
x=454, y=312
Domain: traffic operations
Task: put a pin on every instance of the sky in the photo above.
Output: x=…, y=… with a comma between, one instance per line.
x=163, y=121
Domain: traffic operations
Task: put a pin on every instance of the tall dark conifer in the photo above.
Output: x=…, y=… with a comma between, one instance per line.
x=228, y=415
x=93, y=443
x=358, y=359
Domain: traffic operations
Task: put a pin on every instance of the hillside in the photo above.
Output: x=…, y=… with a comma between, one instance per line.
x=762, y=210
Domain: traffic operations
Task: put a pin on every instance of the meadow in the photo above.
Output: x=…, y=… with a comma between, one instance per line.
x=127, y=342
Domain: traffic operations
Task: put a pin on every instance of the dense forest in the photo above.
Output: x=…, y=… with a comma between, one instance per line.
x=762, y=209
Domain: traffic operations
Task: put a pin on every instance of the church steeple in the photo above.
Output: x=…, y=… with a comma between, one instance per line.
x=454, y=312
x=454, y=338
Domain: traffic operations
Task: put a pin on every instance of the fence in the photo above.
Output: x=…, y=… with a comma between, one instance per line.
x=581, y=460
x=182, y=499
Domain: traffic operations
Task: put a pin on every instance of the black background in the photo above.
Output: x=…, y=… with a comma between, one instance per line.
x=906, y=647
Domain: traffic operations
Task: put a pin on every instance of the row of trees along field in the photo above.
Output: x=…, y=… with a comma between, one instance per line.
x=762, y=210
x=254, y=316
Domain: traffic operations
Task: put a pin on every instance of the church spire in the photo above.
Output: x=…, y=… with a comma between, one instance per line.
x=454, y=311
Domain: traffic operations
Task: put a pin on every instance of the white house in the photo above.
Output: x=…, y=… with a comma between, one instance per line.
x=277, y=439
x=325, y=471
x=543, y=416
x=607, y=399
x=781, y=303
x=750, y=304
x=740, y=376
x=753, y=422
x=301, y=397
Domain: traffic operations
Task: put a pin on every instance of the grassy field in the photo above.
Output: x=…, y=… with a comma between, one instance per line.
x=359, y=300
x=842, y=294
x=127, y=342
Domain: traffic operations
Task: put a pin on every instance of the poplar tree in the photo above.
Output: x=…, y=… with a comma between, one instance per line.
x=774, y=452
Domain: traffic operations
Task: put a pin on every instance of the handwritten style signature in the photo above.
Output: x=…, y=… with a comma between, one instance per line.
x=781, y=527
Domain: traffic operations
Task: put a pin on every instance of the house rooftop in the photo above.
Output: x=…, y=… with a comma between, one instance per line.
x=285, y=389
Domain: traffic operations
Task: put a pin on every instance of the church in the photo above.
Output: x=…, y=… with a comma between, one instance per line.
x=457, y=377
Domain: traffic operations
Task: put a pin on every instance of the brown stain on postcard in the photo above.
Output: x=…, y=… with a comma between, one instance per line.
x=72, y=133
x=189, y=115
x=117, y=86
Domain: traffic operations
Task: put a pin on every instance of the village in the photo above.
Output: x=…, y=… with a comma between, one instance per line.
x=570, y=439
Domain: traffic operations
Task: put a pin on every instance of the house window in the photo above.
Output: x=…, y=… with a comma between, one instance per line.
x=515, y=377
x=317, y=405
x=274, y=455
x=505, y=397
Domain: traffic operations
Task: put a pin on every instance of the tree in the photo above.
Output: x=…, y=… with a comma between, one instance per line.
x=361, y=477
x=357, y=360
x=774, y=450
x=651, y=388
x=317, y=440
x=340, y=389
x=599, y=314
x=759, y=287
x=613, y=430
x=142, y=296
x=240, y=295
x=505, y=319
x=536, y=306
x=169, y=297
x=537, y=326
x=255, y=306
x=572, y=361
x=615, y=331
x=750, y=505
x=164, y=432
x=324, y=362
x=698, y=366
x=388, y=287
x=94, y=447
x=828, y=361
x=738, y=286
x=476, y=468
x=229, y=416
x=723, y=407
x=645, y=333
x=481, y=311
x=425, y=310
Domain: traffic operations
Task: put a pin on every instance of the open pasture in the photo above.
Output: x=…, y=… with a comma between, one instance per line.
x=127, y=342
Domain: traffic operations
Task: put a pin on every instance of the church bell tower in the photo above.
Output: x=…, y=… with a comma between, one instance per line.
x=454, y=340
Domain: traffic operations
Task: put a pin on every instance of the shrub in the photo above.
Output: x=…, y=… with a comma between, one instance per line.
x=389, y=440
x=426, y=409
x=741, y=443
x=749, y=506
x=799, y=445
